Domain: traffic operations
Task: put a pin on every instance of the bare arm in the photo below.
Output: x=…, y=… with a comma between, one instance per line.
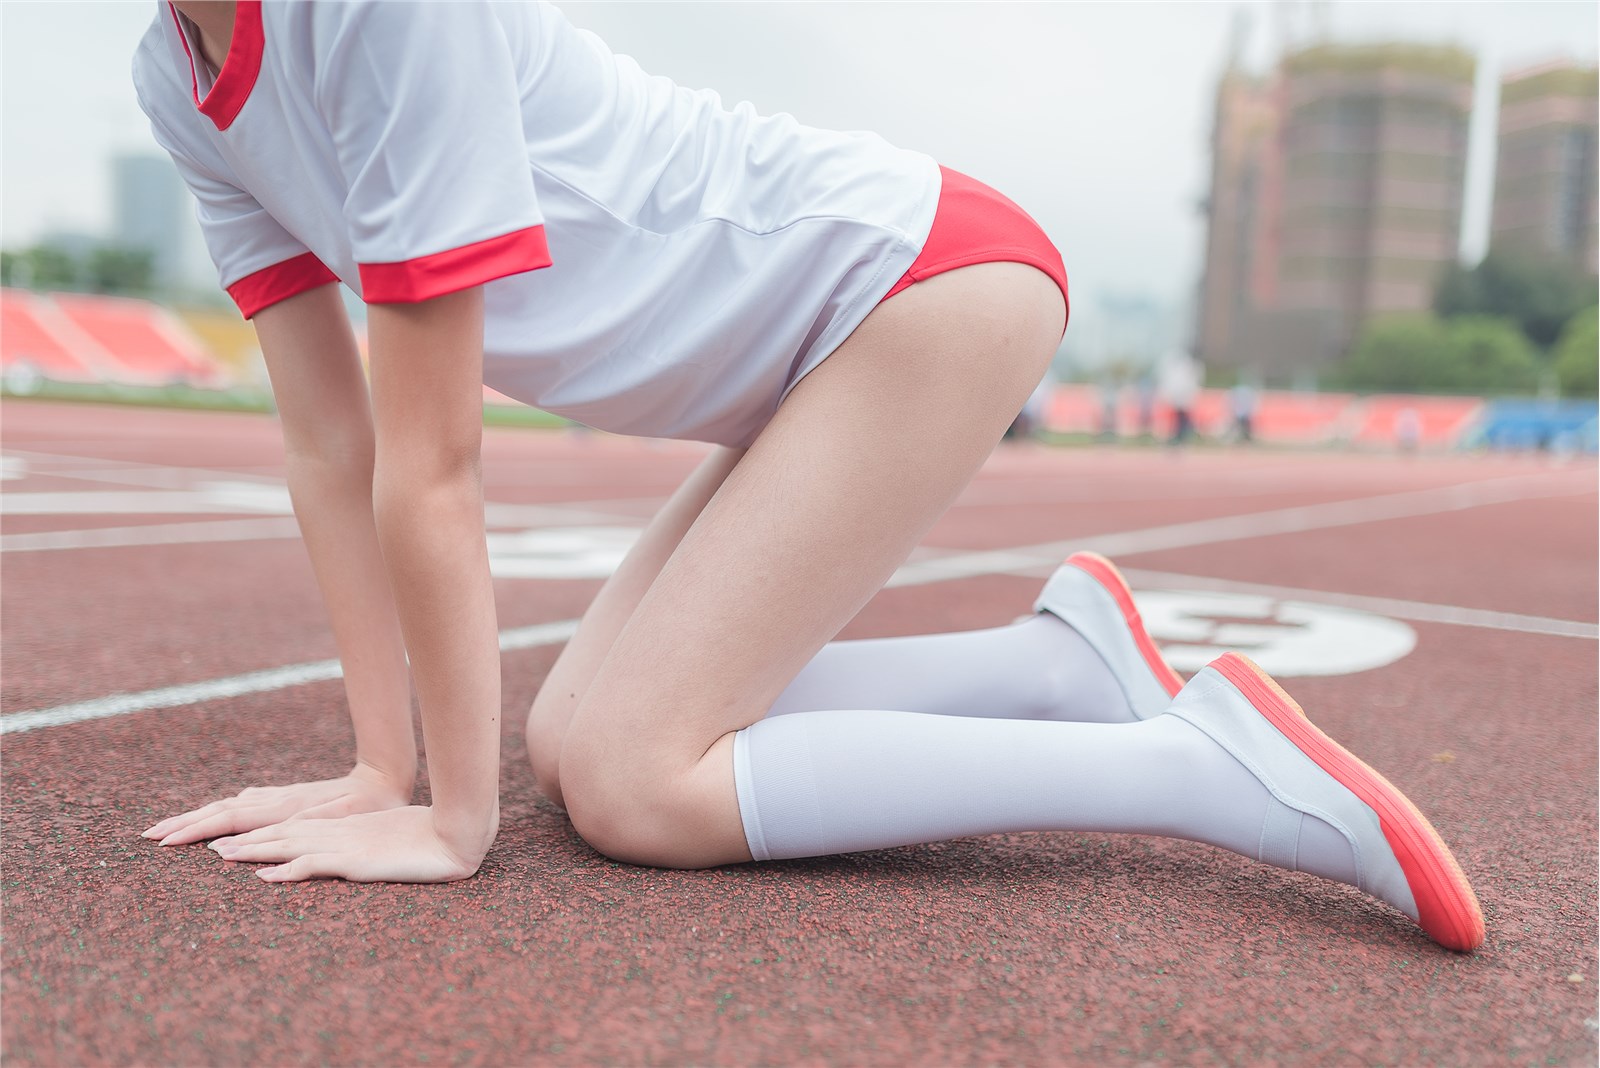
x=427, y=499
x=427, y=393
x=321, y=394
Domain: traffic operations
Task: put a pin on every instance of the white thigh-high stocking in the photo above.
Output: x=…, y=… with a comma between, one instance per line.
x=1039, y=668
x=819, y=783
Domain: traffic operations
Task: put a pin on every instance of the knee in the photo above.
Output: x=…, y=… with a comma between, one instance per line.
x=544, y=741
x=629, y=813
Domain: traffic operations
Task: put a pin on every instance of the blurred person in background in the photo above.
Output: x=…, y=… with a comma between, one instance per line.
x=1178, y=387
x=1242, y=404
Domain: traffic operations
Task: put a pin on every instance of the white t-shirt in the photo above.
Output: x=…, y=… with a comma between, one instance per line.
x=653, y=262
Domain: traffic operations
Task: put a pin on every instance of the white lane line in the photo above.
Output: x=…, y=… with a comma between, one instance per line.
x=1021, y=560
x=226, y=530
x=121, y=704
x=1326, y=516
x=218, y=530
x=1414, y=611
x=1029, y=559
x=131, y=472
x=145, y=502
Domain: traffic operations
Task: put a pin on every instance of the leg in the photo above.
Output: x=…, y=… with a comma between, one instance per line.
x=663, y=766
x=1040, y=668
x=857, y=464
x=575, y=668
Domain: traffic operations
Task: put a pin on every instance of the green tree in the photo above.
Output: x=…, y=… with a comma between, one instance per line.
x=49, y=268
x=1420, y=353
x=1577, y=355
x=1488, y=355
x=1539, y=293
x=113, y=269
x=1401, y=354
x=10, y=268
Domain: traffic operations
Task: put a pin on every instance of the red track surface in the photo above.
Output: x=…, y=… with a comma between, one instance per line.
x=1037, y=948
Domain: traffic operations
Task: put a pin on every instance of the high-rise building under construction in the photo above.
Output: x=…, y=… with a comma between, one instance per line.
x=1545, y=177
x=1337, y=195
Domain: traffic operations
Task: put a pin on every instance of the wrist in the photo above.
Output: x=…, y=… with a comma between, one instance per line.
x=468, y=834
x=392, y=776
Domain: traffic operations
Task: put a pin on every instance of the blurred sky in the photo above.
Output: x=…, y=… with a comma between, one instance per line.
x=1094, y=116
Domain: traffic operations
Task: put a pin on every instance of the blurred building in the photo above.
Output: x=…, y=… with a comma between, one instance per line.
x=1545, y=170
x=1244, y=173
x=150, y=211
x=1337, y=195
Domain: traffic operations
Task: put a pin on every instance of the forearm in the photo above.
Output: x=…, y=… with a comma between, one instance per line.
x=430, y=524
x=427, y=402
x=329, y=440
x=332, y=495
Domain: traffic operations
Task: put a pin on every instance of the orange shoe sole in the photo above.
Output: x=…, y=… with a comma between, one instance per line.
x=1447, y=909
x=1105, y=572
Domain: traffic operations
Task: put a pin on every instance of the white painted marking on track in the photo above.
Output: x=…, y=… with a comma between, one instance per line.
x=1287, y=638
x=219, y=530
x=1415, y=611
x=120, y=502
x=1041, y=558
x=196, y=491
x=121, y=704
x=1032, y=559
x=568, y=553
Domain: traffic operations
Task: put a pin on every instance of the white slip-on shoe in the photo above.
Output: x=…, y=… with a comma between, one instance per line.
x=1399, y=857
x=1089, y=594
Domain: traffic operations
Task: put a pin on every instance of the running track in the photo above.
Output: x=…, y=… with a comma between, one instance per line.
x=163, y=646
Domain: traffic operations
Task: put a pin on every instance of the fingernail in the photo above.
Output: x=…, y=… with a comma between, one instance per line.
x=169, y=838
x=267, y=874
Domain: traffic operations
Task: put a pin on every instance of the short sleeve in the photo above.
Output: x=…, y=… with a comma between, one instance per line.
x=424, y=109
x=258, y=262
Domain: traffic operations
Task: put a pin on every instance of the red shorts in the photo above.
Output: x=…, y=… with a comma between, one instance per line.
x=976, y=224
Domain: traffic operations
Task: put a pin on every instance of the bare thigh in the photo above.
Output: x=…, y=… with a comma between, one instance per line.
x=857, y=464
x=580, y=659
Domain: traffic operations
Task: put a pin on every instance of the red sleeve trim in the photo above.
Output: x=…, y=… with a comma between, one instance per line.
x=454, y=269
x=281, y=281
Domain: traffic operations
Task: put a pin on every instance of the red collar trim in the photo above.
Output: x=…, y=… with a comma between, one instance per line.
x=240, y=67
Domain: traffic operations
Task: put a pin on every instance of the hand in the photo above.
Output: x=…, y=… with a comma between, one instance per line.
x=365, y=789
x=401, y=845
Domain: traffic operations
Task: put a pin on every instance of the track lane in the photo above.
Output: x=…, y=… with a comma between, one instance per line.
x=1020, y=948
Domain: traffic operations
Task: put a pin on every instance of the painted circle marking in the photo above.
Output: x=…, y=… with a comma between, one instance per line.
x=1287, y=638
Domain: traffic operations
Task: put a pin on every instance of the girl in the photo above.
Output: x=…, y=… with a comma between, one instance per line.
x=852, y=324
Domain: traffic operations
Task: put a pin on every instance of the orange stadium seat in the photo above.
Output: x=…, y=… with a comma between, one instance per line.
x=1302, y=418
x=27, y=340
x=145, y=343
x=1441, y=421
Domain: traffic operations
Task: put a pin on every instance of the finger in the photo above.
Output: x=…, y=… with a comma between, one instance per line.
x=338, y=808
x=231, y=821
x=310, y=866
x=270, y=852
x=279, y=830
x=172, y=823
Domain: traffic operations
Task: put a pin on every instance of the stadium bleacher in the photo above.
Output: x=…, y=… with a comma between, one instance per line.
x=1438, y=421
x=1344, y=419
x=80, y=337
x=1568, y=425
x=83, y=338
x=27, y=344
